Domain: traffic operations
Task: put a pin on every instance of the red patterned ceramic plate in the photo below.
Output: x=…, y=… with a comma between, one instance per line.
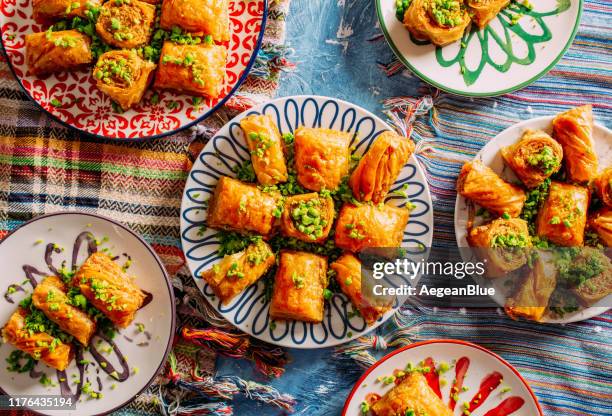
x=85, y=108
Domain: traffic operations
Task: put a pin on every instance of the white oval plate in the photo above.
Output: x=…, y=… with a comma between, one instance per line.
x=228, y=148
x=482, y=363
x=491, y=156
x=493, y=66
x=24, y=247
x=88, y=110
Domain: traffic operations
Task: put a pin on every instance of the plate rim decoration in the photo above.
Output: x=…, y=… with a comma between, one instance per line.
x=451, y=342
x=300, y=104
x=492, y=146
x=201, y=118
x=406, y=62
x=167, y=280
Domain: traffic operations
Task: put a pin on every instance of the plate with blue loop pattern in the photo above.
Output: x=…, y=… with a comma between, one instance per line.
x=228, y=149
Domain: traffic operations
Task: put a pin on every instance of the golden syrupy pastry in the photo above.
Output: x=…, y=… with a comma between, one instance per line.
x=603, y=186
x=51, y=52
x=48, y=11
x=601, y=223
x=200, y=17
x=308, y=217
x=109, y=289
x=379, y=168
x=483, y=11
x=439, y=21
x=482, y=185
x=563, y=216
x=266, y=147
x=126, y=24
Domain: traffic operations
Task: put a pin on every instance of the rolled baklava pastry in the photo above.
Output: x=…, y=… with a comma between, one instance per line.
x=601, y=223
x=308, y=217
x=368, y=226
x=109, y=289
x=49, y=11
x=563, y=216
x=483, y=11
x=483, y=186
x=349, y=278
x=38, y=344
x=123, y=76
x=266, y=147
x=192, y=69
x=321, y=157
x=126, y=23
x=598, y=286
x=200, y=17
x=412, y=396
x=379, y=168
x=299, y=283
x=534, y=158
x=503, y=244
x=532, y=296
x=241, y=207
x=50, y=52
x=603, y=186
x=50, y=297
x=439, y=21
x=234, y=273
x=574, y=130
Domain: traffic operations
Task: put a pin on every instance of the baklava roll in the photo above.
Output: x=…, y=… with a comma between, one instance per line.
x=322, y=157
x=38, y=344
x=380, y=167
x=236, y=272
x=192, y=69
x=299, y=283
x=109, y=289
x=412, y=396
x=596, y=287
x=439, y=21
x=349, y=278
x=601, y=223
x=266, y=147
x=532, y=296
x=503, y=244
x=50, y=297
x=242, y=207
x=603, y=186
x=483, y=11
x=534, y=158
x=369, y=226
x=126, y=24
x=574, y=130
x=49, y=11
x=308, y=217
x=123, y=76
x=199, y=17
x=481, y=185
x=50, y=52
x=563, y=216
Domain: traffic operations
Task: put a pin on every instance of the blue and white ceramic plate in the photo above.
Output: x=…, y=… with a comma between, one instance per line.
x=249, y=311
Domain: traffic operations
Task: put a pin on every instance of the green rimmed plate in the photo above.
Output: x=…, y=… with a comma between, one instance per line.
x=519, y=46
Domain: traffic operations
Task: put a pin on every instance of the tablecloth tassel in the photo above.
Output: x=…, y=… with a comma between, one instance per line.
x=271, y=59
x=391, y=68
x=403, y=111
x=269, y=360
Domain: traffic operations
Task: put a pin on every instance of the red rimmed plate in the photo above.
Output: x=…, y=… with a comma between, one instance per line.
x=86, y=109
x=481, y=369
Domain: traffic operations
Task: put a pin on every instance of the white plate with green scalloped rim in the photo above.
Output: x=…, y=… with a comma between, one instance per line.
x=501, y=58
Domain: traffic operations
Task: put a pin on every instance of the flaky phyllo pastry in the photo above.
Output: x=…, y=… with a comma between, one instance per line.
x=483, y=11
x=126, y=24
x=200, y=17
x=601, y=223
x=49, y=11
x=531, y=299
x=109, y=289
x=482, y=185
x=412, y=396
x=440, y=21
x=574, y=130
x=50, y=297
x=36, y=342
x=50, y=52
x=503, y=244
x=379, y=168
x=534, y=158
x=123, y=76
x=236, y=272
x=603, y=186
